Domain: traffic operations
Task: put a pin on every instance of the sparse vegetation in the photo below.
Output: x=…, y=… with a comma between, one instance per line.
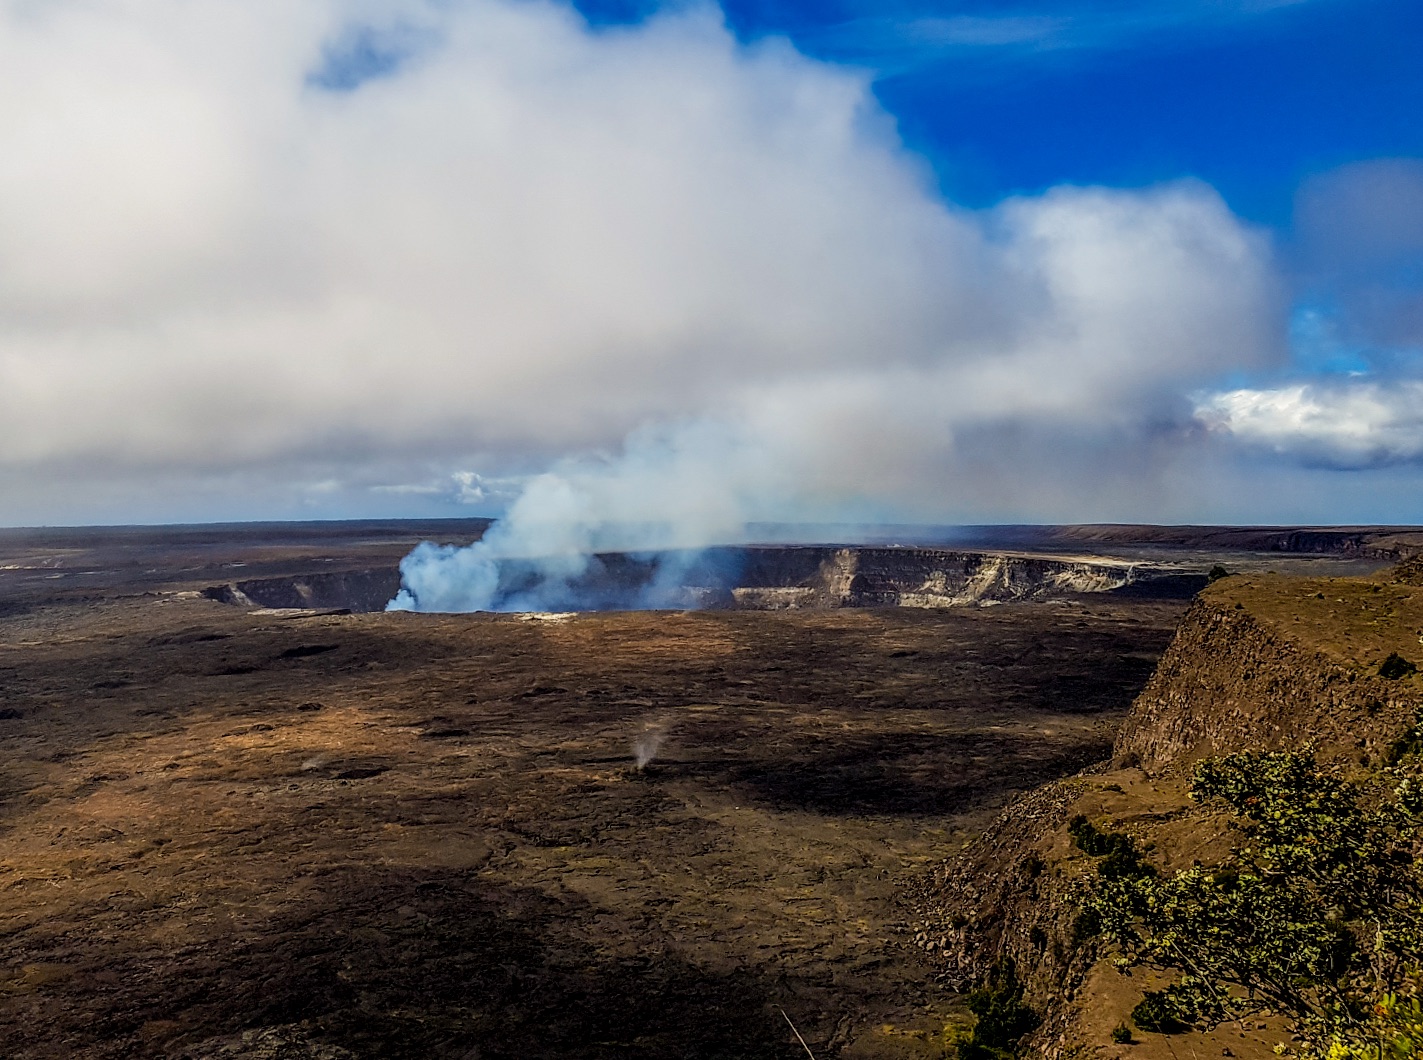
x=1217, y=573
x=1407, y=745
x=1003, y=1019
x=1317, y=916
x=1120, y=857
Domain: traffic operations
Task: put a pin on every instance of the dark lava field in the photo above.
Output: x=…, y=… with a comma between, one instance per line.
x=253, y=833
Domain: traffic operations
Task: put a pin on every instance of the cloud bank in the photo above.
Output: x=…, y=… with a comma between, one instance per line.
x=1346, y=425
x=344, y=252
x=638, y=285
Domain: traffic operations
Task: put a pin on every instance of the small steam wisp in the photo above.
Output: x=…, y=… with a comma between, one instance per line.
x=647, y=745
x=645, y=748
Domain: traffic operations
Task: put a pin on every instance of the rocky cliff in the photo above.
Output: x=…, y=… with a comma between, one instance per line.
x=351, y=590
x=905, y=577
x=1251, y=668
x=778, y=577
x=1257, y=663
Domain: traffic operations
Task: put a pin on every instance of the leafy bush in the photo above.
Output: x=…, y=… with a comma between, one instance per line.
x=1118, y=850
x=1394, y=1032
x=1217, y=573
x=1003, y=1018
x=1121, y=1034
x=1157, y=1014
x=1315, y=917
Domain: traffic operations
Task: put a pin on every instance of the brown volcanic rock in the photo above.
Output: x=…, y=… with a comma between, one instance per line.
x=1257, y=663
x=1388, y=542
x=249, y=833
x=232, y=831
x=1409, y=572
x=994, y=901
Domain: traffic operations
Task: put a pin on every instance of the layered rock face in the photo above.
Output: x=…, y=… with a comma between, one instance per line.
x=352, y=590
x=919, y=577
x=1257, y=663
x=774, y=578
x=1234, y=679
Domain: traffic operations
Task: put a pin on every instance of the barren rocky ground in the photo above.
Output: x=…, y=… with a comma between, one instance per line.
x=231, y=832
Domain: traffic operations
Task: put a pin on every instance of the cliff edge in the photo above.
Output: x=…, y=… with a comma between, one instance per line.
x=1259, y=662
x=1265, y=662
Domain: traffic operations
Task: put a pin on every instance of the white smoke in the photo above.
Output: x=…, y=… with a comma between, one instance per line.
x=669, y=490
x=1122, y=301
x=648, y=743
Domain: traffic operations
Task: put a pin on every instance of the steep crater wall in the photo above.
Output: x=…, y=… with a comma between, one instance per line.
x=771, y=578
x=1257, y=664
x=1253, y=670
x=351, y=590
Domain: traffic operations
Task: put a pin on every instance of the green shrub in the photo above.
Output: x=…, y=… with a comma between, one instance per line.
x=1317, y=914
x=1121, y=1034
x=1156, y=1013
x=1003, y=1018
x=1217, y=573
x=1118, y=850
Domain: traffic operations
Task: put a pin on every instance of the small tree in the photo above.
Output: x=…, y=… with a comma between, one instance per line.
x=1316, y=916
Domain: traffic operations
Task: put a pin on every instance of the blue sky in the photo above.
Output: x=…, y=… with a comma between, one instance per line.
x=1012, y=98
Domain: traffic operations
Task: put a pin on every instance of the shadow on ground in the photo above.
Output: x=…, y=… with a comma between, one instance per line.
x=410, y=965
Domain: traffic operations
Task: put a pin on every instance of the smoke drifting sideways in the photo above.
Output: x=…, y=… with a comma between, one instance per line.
x=625, y=533
x=1126, y=300
x=448, y=578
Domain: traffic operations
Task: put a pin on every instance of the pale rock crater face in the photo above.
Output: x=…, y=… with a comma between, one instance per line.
x=771, y=578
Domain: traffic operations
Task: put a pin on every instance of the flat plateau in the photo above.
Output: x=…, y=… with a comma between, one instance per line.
x=256, y=833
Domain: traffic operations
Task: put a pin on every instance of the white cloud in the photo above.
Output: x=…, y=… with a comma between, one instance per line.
x=1345, y=424
x=528, y=240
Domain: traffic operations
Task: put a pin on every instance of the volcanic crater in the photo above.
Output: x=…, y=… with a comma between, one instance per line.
x=764, y=578
x=284, y=826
